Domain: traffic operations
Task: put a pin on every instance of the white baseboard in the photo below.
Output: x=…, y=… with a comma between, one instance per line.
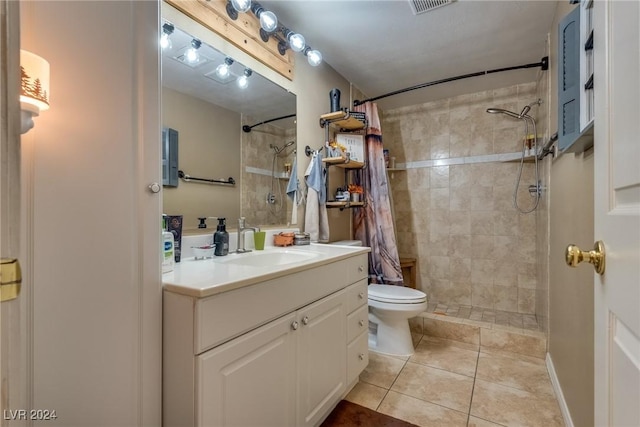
x=568, y=422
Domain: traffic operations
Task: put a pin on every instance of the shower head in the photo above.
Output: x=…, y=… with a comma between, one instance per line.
x=278, y=150
x=502, y=111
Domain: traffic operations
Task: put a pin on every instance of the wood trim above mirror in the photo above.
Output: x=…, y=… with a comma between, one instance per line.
x=243, y=33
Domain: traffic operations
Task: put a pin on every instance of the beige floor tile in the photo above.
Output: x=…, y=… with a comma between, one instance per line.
x=421, y=413
x=512, y=407
x=382, y=370
x=479, y=422
x=366, y=395
x=515, y=371
x=446, y=354
x=453, y=331
x=435, y=385
x=514, y=342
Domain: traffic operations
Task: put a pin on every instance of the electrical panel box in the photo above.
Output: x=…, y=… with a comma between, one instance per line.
x=169, y=157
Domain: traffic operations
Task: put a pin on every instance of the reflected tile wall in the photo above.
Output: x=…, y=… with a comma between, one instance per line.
x=258, y=155
x=458, y=220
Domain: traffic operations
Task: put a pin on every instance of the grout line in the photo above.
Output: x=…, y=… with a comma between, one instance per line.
x=475, y=375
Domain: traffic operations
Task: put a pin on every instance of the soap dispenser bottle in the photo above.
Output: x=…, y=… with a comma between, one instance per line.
x=221, y=238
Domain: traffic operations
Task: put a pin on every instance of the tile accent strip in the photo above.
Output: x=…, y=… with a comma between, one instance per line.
x=503, y=157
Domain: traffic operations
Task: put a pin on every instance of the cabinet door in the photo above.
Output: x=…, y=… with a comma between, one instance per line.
x=250, y=381
x=322, y=357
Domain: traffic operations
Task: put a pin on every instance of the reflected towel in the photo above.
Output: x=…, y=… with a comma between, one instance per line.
x=292, y=187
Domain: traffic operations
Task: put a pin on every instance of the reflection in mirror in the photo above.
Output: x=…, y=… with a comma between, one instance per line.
x=208, y=108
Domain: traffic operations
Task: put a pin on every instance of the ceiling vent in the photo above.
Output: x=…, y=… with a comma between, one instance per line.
x=422, y=6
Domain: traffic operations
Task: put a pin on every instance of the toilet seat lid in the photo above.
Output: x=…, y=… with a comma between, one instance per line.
x=396, y=294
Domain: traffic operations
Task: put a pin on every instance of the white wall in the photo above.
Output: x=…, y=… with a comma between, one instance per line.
x=91, y=225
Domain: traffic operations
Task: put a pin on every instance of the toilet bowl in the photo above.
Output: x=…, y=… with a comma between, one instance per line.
x=390, y=308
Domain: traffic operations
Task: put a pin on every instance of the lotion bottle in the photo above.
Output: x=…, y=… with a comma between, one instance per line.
x=168, y=258
x=221, y=238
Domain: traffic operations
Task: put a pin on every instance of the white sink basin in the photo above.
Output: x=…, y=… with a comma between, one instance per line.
x=268, y=258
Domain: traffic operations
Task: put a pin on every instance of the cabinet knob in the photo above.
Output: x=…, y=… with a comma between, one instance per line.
x=305, y=320
x=361, y=356
x=361, y=322
x=294, y=325
x=361, y=269
x=361, y=295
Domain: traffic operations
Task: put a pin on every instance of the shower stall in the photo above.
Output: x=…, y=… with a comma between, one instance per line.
x=461, y=203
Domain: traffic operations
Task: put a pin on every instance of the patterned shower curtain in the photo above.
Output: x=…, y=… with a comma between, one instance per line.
x=373, y=224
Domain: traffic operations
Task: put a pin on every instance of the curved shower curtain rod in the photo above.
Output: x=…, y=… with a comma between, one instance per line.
x=248, y=128
x=543, y=64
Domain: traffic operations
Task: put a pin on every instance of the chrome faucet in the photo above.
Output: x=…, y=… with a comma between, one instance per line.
x=241, y=230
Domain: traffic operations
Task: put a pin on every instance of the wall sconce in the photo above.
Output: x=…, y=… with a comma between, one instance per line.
x=243, y=81
x=268, y=20
x=235, y=6
x=313, y=56
x=165, y=38
x=34, y=87
x=269, y=25
x=295, y=40
x=192, y=55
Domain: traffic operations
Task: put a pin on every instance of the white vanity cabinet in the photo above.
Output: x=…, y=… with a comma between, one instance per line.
x=269, y=354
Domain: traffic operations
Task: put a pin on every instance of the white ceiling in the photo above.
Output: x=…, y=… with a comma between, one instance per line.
x=381, y=46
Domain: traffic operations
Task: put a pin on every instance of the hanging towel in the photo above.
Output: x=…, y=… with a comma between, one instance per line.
x=316, y=221
x=292, y=187
x=315, y=177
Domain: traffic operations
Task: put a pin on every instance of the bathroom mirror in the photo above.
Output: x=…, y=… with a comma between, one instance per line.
x=208, y=111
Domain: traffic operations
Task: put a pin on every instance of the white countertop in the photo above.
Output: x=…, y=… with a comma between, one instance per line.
x=205, y=277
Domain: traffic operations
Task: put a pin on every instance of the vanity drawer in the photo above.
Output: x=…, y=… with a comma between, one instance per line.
x=357, y=357
x=220, y=317
x=357, y=295
x=357, y=322
x=358, y=268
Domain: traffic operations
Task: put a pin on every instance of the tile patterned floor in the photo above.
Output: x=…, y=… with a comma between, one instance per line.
x=452, y=383
x=486, y=315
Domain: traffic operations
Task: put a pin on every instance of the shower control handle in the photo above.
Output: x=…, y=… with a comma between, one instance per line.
x=574, y=256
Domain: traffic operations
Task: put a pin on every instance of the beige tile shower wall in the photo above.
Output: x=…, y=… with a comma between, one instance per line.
x=458, y=220
x=257, y=153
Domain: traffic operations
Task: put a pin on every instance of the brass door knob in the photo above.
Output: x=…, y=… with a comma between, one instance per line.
x=574, y=256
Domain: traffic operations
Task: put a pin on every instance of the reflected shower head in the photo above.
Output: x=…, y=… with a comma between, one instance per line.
x=279, y=149
x=507, y=112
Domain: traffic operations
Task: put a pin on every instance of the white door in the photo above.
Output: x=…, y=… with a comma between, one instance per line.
x=12, y=339
x=617, y=212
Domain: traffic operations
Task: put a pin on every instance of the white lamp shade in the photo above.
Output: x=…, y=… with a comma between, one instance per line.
x=34, y=82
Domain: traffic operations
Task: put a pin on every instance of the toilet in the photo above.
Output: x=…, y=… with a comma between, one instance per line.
x=390, y=308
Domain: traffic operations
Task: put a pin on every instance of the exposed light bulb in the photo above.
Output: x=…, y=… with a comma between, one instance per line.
x=314, y=57
x=268, y=21
x=165, y=38
x=241, y=5
x=297, y=42
x=192, y=55
x=222, y=71
x=243, y=82
x=165, y=41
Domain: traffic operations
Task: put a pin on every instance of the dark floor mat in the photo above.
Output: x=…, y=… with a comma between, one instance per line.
x=347, y=414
